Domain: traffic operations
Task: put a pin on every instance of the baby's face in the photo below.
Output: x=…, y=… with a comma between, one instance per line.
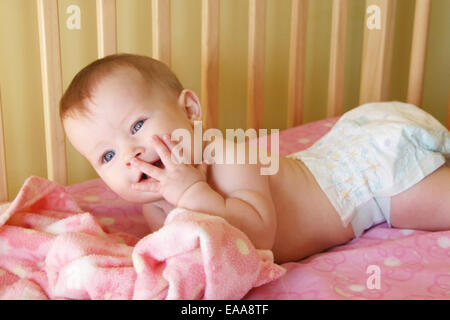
x=125, y=115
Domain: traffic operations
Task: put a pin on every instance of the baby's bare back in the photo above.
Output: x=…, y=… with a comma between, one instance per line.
x=307, y=223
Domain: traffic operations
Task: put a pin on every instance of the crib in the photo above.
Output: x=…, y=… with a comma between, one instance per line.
x=376, y=64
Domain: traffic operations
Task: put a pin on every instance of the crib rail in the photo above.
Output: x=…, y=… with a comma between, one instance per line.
x=377, y=53
x=337, y=58
x=3, y=180
x=210, y=62
x=161, y=35
x=375, y=69
x=256, y=49
x=297, y=62
x=51, y=74
x=418, y=51
x=106, y=27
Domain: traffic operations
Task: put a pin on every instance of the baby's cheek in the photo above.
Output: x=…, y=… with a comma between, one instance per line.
x=114, y=182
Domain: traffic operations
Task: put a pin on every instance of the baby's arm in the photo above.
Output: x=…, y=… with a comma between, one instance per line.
x=246, y=204
x=242, y=195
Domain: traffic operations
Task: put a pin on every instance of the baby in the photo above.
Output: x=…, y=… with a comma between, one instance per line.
x=380, y=162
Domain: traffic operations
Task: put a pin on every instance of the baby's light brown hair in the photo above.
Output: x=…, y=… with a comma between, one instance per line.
x=155, y=73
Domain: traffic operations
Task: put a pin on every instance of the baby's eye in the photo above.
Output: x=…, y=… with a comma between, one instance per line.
x=108, y=156
x=137, y=126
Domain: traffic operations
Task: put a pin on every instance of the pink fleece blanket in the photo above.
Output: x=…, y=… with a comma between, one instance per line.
x=50, y=248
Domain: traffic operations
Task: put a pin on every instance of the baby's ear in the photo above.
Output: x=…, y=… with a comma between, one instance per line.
x=189, y=102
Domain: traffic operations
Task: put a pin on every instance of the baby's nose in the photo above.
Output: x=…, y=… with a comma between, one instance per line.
x=129, y=160
x=133, y=155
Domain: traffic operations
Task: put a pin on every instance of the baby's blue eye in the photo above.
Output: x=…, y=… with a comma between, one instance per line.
x=137, y=126
x=108, y=156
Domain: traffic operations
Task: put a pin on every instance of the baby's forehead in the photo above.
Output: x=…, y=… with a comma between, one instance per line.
x=115, y=99
x=124, y=81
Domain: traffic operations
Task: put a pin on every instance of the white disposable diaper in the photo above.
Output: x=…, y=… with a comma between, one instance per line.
x=373, y=152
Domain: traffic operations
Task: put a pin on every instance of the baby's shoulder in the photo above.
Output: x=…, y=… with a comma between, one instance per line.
x=227, y=178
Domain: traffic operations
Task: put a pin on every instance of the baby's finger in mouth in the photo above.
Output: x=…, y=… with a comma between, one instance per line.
x=163, y=151
x=149, y=169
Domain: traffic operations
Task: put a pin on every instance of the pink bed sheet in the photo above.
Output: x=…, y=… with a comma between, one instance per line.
x=384, y=263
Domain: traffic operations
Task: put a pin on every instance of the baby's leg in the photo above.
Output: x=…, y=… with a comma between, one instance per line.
x=424, y=206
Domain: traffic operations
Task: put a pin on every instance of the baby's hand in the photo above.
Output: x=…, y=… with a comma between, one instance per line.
x=176, y=177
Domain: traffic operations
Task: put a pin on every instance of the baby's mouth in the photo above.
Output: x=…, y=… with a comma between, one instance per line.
x=157, y=163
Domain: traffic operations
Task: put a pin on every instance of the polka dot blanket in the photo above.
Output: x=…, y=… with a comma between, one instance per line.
x=50, y=248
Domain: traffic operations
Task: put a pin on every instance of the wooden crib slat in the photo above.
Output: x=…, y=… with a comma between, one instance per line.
x=51, y=73
x=377, y=52
x=297, y=62
x=256, y=53
x=106, y=27
x=161, y=34
x=418, y=52
x=210, y=63
x=3, y=176
x=337, y=58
